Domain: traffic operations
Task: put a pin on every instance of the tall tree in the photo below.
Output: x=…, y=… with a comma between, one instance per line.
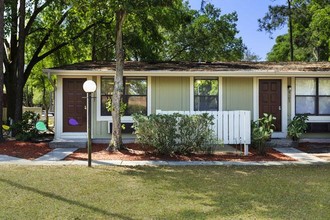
x=276, y=17
x=319, y=27
x=310, y=33
x=281, y=49
x=116, y=138
x=250, y=56
x=50, y=26
x=290, y=29
x=203, y=3
x=122, y=9
x=20, y=61
x=2, y=8
x=207, y=36
x=166, y=33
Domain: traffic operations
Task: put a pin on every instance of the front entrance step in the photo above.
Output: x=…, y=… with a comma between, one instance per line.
x=315, y=140
x=68, y=143
x=281, y=142
x=286, y=142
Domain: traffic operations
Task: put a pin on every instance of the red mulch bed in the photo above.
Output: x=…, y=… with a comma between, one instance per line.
x=136, y=152
x=31, y=151
x=24, y=150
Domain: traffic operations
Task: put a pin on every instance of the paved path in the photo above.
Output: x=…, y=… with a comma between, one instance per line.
x=57, y=154
x=300, y=156
x=56, y=157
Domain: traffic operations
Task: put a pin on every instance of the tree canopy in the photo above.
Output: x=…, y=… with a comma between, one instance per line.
x=310, y=30
x=206, y=36
x=57, y=32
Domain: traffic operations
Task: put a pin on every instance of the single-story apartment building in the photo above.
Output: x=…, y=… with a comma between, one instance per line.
x=282, y=89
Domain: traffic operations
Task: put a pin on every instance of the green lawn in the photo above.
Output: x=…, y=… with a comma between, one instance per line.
x=214, y=192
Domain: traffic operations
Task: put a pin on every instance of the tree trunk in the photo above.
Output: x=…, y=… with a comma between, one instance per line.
x=2, y=6
x=44, y=100
x=20, y=63
x=290, y=31
x=10, y=78
x=10, y=89
x=116, y=138
x=94, y=58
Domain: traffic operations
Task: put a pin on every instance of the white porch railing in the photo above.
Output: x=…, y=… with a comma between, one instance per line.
x=232, y=127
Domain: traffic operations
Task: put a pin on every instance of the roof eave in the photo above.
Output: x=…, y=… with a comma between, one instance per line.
x=233, y=73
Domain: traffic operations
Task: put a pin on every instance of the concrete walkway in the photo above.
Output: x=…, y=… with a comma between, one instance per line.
x=56, y=157
x=300, y=155
x=57, y=154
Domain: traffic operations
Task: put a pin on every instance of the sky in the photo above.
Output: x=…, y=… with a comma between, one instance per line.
x=249, y=11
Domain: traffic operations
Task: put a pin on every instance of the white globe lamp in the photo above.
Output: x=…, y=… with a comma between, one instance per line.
x=89, y=86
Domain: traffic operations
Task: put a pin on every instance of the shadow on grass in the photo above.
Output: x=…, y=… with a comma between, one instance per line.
x=203, y=192
x=246, y=192
x=63, y=199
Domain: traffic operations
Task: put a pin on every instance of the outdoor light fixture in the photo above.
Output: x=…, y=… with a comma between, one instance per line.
x=89, y=87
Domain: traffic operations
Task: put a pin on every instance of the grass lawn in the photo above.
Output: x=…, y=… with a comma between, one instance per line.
x=212, y=192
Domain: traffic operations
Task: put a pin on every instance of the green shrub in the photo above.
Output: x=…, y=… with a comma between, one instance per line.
x=158, y=131
x=267, y=122
x=195, y=133
x=175, y=133
x=262, y=130
x=297, y=126
x=25, y=129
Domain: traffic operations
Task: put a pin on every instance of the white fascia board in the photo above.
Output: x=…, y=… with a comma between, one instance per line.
x=189, y=73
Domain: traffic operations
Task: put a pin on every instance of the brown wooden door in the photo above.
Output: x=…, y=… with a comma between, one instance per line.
x=74, y=106
x=270, y=100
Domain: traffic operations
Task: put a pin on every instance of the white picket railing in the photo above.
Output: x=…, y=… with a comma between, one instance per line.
x=232, y=127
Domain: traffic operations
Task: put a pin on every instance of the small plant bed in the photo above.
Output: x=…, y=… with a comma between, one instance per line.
x=136, y=152
x=24, y=150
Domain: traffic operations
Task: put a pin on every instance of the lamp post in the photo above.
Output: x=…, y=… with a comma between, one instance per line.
x=89, y=87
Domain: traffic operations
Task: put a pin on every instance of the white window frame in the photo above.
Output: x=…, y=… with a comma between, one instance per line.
x=311, y=118
x=124, y=119
x=192, y=98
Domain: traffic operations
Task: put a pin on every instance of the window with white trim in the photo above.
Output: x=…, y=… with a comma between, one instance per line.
x=134, y=95
x=206, y=94
x=313, y=96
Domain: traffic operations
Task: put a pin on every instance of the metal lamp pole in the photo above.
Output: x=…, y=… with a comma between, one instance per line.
x=89, y=87
x=89, y=126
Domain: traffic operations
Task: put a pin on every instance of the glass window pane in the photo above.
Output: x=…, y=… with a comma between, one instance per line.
x=107, y=85
x=324, y=86
x=136, y=86
x=206, y=92
x=305, y=105
x=324, y=105
x=206, y=103
x=135, y=94
x=206, y=87
x=104, y=111
x=305, y=86
x=136, y=104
